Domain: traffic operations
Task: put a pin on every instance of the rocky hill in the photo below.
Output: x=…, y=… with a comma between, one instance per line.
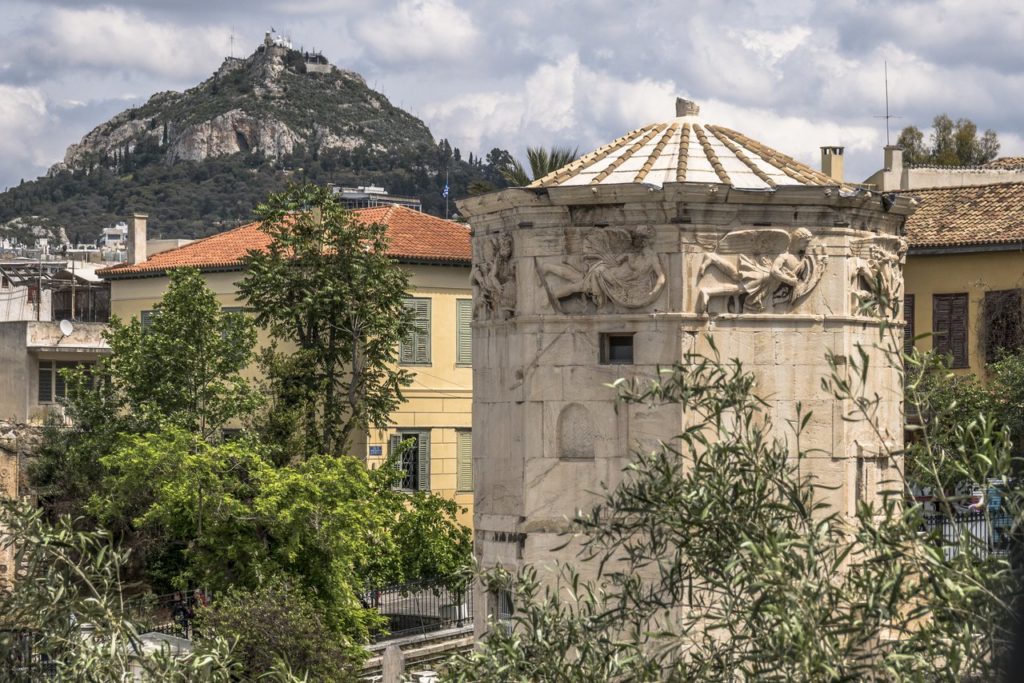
x=200, y=160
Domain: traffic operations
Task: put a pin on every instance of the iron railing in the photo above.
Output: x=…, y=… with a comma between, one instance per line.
x=171, y=614
x=416, y=608
x=982, y=533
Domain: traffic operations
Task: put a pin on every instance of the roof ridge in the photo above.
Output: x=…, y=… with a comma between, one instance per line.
x=189, y=245
x=741, y=155
x=935, y=188
x=656, y=154
x=710, y=153
x=573, y=168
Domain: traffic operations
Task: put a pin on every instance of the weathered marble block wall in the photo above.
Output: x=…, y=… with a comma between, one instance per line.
x=777, y=279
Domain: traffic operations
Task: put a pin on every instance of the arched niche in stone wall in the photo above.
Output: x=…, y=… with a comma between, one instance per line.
x=576, y=433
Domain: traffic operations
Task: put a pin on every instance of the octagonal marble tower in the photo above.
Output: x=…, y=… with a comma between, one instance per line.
x=625, y=260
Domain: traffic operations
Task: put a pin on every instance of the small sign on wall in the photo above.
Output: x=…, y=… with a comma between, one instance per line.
x=376, y=450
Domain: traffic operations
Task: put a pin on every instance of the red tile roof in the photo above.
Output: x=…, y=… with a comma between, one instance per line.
x=414, y=236
x=964, y=216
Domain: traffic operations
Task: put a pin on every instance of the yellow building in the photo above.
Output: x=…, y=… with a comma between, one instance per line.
x=964, y=274
x=438, y=411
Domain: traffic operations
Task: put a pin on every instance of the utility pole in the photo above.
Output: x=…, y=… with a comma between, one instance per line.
x=73, y=289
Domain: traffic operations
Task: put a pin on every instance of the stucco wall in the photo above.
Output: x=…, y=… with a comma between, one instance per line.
x=16, y=377
x=440, y=398
x=973, y=274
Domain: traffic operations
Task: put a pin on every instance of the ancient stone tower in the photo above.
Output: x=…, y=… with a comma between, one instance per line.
x=626, y=259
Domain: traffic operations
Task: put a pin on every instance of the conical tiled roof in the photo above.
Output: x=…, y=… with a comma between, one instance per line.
x=685, y=150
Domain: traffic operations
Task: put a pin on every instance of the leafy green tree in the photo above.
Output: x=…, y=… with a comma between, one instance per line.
x=184, y=369
x=327, y=288
x=274, y=622
x=542, y=162
x=952, y=144
x=716, y=560
x=328, y=524
x=68, y=580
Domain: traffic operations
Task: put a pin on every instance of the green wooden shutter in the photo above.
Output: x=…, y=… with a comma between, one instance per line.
x=463, y=332
x=415, y=349
x=423, y=461
x=464, y=461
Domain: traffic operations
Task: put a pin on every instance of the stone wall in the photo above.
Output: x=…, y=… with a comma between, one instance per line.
x=18, y=443
x=559, y=270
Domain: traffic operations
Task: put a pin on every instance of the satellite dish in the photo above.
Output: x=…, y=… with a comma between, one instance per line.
x=66, y=328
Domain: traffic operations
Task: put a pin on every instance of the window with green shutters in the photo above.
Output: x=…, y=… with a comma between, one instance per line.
x=463, y=332
x=464, y=460
x=415, y=349
x=414, y=461
x=146, y=319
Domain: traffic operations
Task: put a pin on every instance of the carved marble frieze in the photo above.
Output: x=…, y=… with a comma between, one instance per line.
x=877, y=275
x=759, y=270
x=493, y=279
x=604, y=268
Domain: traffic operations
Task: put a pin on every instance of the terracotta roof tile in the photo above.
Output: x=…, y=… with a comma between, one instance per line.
x=1006, y=163
x=963, y=216
x=414, y=236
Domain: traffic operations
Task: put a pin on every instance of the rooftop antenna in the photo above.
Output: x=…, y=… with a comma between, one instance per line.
x=887, y=114
x=232, y=50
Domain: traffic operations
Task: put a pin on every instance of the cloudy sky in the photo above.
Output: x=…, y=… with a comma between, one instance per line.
x=795, y=74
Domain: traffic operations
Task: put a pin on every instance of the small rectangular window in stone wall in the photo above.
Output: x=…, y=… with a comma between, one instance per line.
x=908, y=318
x=1002, y=323
x=949, y=327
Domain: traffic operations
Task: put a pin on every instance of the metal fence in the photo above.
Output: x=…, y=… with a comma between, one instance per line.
x=417, y=608
x=982, y=533
x=171, y=614
x=21, y=662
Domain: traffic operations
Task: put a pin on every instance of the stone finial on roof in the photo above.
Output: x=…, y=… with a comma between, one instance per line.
x=686, y=107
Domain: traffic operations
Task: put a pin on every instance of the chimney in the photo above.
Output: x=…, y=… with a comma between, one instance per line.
x=137, y=238
x=832, y=163
x=894, y=158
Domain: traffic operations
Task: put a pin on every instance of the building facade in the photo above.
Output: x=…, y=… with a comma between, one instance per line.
x=965, y=272
x=629, y=259
x=437, y=414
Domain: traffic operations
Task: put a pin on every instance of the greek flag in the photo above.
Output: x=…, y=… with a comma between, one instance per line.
x=444, y=192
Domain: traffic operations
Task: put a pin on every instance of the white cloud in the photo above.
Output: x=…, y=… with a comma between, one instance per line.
x=417, y=30
x=125, y=40
x=772, y=46
x=562, y=102
x=24, y=121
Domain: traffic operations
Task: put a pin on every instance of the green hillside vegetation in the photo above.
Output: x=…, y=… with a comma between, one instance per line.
x=188, y=199
x=191, y=199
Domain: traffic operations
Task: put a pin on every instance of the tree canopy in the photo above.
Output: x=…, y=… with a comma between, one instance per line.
x=183, y=368
x=328, y=289
x=542, y=162
x=950, y=144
